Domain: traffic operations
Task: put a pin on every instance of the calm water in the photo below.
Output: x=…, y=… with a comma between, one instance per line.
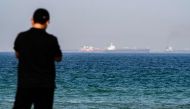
x=111, y=81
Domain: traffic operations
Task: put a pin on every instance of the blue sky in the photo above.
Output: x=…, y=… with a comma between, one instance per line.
x=153, y=24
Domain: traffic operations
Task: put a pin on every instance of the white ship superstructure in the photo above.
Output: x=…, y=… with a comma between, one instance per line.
x=169, y=49
x=111, y=47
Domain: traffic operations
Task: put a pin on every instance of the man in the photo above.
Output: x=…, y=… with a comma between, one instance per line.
x=37, y=52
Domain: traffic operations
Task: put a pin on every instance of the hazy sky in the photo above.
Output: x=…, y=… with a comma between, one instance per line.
x=155, y=24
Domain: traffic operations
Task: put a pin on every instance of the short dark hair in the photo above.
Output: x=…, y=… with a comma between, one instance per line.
x=41, y=16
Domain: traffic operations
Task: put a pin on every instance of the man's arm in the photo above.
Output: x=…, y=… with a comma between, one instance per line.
x=57, y=51
x=17, y=46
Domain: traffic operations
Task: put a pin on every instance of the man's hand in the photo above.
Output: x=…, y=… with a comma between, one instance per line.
x=58, y=58
x=17, y=54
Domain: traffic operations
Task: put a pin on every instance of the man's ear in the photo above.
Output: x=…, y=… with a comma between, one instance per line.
x=47, y=22
x=32, y=21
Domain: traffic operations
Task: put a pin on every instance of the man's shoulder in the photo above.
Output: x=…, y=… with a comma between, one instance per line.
x=51, y=36
x=29, y=32
x=23, y=33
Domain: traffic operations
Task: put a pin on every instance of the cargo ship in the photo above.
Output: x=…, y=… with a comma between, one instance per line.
x=170, y=49
x=112, y=49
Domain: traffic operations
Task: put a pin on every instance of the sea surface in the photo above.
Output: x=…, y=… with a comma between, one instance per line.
x=111, y=81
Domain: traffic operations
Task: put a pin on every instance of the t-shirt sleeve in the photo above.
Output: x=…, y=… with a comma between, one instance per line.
x=57, y=50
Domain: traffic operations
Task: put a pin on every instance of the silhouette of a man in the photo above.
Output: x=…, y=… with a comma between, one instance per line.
x=37, y=52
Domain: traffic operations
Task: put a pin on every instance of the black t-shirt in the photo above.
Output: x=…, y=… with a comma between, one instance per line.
x=37, y=50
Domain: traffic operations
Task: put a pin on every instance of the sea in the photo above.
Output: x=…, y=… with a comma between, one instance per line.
x=110, y=81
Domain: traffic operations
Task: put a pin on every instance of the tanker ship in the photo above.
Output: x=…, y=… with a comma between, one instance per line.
x=112, y=49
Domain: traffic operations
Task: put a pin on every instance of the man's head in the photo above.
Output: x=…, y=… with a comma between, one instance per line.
x=41, y=17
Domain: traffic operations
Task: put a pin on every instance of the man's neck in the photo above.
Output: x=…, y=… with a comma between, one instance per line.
x=39, y=26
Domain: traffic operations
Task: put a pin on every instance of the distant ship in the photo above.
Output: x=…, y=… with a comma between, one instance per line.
x=87, y=48
x=112, y=49
x=170, y=49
